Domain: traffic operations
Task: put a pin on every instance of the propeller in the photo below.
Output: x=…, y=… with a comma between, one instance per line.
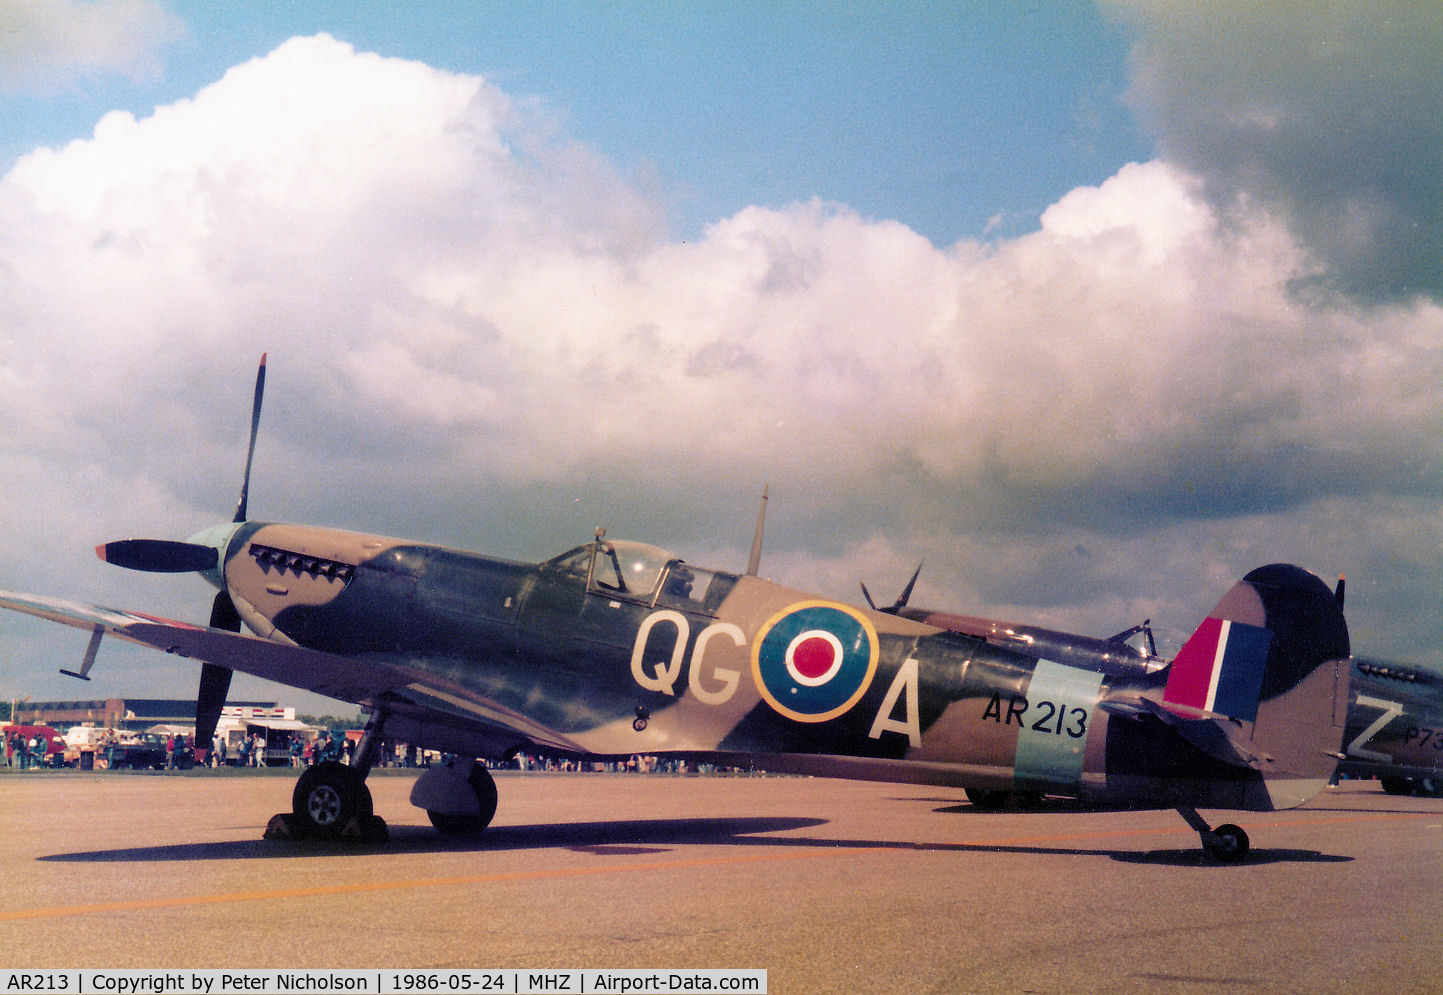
x=168, y=556
x=215, y=679
x=902, y=598
x=163, y=556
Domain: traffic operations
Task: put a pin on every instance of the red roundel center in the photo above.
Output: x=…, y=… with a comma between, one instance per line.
x=813, y=657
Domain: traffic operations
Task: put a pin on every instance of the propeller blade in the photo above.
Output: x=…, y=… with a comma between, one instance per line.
x=895, y=608
x=158, y=555
x=868, y=595
x=223, y=614
x=214, y=686
x=906, y=594
x=240, y=508
x=214, y=679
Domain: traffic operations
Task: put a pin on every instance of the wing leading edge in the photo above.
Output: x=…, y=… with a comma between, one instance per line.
x=346, y=678
x=324, y=673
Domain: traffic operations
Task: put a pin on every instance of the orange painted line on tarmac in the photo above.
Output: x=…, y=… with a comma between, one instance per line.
x=184, y=901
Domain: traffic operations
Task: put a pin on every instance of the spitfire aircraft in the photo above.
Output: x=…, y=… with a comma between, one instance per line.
x=1394, y=729
x=616, y=648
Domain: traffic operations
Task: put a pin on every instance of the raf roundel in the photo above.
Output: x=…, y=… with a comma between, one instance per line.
x=814, y=660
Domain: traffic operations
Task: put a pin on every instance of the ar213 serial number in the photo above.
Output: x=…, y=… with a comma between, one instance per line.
x=1046, y=716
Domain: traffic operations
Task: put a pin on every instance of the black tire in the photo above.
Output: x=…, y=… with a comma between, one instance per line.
x=1227, y=844
x=987, y=799
x=1397, y=785
x=329, y=797
x=484, y=787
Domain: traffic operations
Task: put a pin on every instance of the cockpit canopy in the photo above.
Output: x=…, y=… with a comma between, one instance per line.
x=638, y=571
x=622, y=567
x=631, y=568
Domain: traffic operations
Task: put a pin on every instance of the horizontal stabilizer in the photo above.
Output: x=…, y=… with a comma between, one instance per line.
x=1222, y=740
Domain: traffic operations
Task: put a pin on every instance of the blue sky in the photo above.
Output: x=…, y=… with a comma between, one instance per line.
x=956, y=119
x=1095, y=308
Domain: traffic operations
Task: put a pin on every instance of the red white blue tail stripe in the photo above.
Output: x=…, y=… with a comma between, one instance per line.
x=1220, y=669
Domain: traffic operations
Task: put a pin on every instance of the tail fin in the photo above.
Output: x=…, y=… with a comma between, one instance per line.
x=1273, y=654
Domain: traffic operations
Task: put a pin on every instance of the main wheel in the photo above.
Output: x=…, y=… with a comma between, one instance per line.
x=484, y=787
x=1397, y=785
x=331, y=796
x=987, y=799
x=1227, y=843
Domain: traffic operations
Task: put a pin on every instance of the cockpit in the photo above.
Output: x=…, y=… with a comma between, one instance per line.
x=630, y=568
x=638, y=571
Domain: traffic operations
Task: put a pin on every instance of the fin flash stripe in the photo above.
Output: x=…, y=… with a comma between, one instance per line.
x=1220, y=669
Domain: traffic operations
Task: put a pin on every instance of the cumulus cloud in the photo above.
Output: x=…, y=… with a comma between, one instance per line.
x=481, y=334
x=48, y=45
x=1329, y=114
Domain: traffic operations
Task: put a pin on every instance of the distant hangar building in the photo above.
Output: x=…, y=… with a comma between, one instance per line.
x=133, y=714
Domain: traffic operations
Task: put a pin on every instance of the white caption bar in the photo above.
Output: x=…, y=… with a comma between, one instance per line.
x=387, y=981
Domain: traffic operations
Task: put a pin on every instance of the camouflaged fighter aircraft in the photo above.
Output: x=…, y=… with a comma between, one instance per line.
x=618, y=648
x=1394, y=729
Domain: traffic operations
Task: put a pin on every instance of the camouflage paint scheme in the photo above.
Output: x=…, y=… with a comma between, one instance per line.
x=602, y=653
x=1394, y=727
x=619, y=648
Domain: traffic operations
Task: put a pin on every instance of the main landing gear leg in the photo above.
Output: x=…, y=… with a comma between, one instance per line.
x=331, y=800
x=1227, y=844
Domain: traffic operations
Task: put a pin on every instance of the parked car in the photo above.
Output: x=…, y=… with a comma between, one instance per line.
x=144, y=751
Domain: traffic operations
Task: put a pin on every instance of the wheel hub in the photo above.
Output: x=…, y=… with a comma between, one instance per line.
x=323, y=805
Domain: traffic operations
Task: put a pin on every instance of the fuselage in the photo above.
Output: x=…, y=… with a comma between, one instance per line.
x=1395, y=726
x=619, y=648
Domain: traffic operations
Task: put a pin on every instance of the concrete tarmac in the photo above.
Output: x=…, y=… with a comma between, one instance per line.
x=830, y=886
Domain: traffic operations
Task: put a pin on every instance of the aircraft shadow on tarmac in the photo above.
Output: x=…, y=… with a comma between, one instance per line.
x=640, y=837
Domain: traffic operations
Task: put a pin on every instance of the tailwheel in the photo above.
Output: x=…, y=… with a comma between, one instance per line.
x=1227, y=844
x=332, y=800
x=483, y=786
